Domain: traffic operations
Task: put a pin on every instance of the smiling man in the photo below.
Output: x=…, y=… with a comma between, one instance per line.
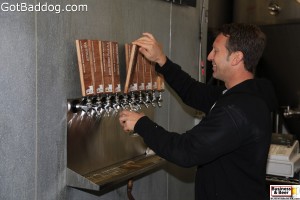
x=230, y=145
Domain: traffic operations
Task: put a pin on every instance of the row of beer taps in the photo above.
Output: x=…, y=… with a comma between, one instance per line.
x=111, y=104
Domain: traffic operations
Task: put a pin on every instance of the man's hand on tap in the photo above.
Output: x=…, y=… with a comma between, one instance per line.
x=128, y=119
x=151, y=49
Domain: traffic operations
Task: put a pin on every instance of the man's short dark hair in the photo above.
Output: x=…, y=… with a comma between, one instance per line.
x=247, y=38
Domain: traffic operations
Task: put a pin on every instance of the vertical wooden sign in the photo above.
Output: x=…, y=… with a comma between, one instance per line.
x=85, y=68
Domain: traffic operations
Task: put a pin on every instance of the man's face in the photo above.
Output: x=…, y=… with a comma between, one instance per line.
x=220, y=58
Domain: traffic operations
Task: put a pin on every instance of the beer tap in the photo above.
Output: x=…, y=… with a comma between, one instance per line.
x=142, y=101
x=133, y=103
x=116, y=104
x=85, y=105
x=153, y=99
x=82, y=105
x=159, y=99
x=147, y=98
x=99, y=107
x=92, y=112
x=125, y=103
x=107, y=106
x=90, y=109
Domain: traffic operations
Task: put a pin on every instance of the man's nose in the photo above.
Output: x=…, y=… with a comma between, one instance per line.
x=210, y=57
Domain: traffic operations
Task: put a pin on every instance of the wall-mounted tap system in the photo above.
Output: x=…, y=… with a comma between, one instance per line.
x=110, y=104
x=99, y=152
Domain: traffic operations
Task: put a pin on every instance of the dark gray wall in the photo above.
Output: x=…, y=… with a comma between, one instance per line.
x=257, y=12
x=220, y=12
x=39, y=73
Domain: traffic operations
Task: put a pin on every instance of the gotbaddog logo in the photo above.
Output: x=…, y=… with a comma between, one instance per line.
x=282, y=192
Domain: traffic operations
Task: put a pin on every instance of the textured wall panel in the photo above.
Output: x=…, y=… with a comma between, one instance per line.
x=105, y=20
x=39, y=73
x=18, y=104
x=184, y=51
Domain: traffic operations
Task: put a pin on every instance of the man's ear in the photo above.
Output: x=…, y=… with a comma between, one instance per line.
x=238, y=57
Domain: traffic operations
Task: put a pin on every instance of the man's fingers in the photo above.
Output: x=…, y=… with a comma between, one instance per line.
x=122, y=119
x=144, y=52
x=125, y=112
x=149, y=35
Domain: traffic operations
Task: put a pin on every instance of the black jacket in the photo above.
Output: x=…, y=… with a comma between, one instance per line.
x=229, y=146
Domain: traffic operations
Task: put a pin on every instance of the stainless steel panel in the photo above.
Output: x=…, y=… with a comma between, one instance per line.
x=95, y=143
x=100, y=154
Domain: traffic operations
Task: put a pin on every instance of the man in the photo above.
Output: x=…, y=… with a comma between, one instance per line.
x=230, y=145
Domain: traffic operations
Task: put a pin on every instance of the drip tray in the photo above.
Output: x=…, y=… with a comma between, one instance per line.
x=114, y=174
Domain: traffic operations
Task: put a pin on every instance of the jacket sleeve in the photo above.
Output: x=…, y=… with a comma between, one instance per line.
x=193, y=93
x=216, y=135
